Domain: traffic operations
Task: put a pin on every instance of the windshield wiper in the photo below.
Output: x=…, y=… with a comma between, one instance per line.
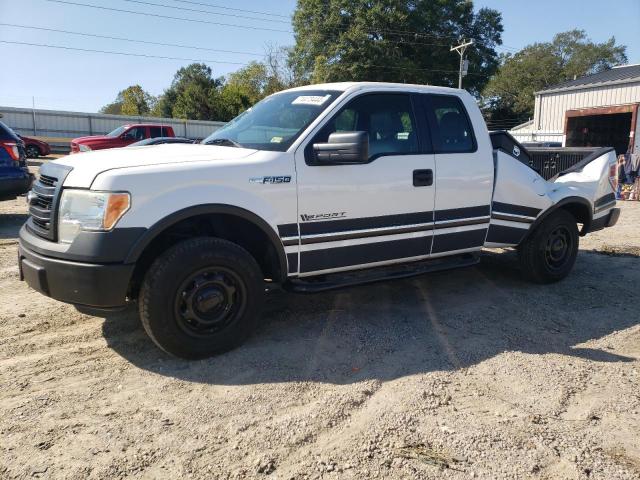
x=224, y=141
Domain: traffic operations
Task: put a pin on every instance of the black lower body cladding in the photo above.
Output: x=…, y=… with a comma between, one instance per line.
x=95, y=285
x=608, y=220
x=91, y=271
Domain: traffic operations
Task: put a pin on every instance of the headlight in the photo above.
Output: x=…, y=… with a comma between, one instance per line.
x=84, y=148
x=87, y=210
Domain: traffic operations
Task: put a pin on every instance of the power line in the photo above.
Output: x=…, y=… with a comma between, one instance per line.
x=157, y=15
x=168, y=17
x=398, y=32
x=420, y=69
x=123, y=39
x=230, y=8
x=408, y=32
x=164, y=57
x=195, y=10
x=111, y=52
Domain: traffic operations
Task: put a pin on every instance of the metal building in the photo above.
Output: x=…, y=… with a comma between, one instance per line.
x=596, y=110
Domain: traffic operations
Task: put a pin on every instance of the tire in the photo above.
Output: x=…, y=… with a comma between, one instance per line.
x=32, y=151
x=201, y=297
x=549, y=254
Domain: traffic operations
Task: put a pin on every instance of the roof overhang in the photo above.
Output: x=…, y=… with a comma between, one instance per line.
x=626, y=81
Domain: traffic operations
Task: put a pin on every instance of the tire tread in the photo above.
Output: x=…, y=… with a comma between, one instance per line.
x=157, y=272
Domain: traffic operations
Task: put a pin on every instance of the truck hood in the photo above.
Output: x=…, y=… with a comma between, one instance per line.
x=86, y=166
x=93, y=139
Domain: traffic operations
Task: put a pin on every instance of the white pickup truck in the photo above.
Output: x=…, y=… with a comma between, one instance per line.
x=312, y=188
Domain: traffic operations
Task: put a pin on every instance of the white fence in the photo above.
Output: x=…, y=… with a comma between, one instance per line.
x=54, y=123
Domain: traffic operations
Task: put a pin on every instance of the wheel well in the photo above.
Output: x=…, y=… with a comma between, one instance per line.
x=581, y=213
x=225, y=226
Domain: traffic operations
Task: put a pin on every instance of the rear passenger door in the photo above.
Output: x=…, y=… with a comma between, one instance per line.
x=380, y=212
x=463, y=177
x=155, y=132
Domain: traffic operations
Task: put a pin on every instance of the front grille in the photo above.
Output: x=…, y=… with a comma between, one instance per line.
x=43, y=200
x=48, y=181
x=41, y=205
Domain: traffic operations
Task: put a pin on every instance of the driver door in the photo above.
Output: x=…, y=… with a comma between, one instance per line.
x=132, y=135
x=376, y=213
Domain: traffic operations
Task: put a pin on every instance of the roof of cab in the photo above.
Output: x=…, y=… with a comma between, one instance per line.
x=344, y=86
x=146, y=124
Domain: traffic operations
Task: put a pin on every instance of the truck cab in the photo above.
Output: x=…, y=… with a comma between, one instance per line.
x=121, y=137
x=313, y=188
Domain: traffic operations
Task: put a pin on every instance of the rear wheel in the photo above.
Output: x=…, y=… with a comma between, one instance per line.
x=32, y=151
x=201, y=297
x=549, y=254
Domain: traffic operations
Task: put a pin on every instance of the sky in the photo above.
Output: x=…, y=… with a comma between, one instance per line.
x=73, y=80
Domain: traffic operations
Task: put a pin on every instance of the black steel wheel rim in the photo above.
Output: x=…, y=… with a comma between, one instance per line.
x=209, y=300
x=32, y=152
x=559, y=248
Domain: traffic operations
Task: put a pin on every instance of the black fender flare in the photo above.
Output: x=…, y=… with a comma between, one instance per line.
x=213, y=208
x=565, y=201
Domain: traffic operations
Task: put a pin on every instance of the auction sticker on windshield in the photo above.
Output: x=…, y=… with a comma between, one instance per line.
x=316, y=100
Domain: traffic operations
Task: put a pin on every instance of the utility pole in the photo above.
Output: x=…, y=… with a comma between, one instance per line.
x=33, y=112
x=463, y=63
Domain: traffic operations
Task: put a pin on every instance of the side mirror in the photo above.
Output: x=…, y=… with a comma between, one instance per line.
x=128, y=136
x=343, y=148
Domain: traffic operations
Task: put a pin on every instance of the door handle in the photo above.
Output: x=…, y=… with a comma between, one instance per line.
x=422, y=178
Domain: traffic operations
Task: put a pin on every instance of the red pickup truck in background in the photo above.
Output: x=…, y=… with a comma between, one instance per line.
x=121, y=137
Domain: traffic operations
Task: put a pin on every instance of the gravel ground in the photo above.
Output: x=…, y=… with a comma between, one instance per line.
x=464, y=374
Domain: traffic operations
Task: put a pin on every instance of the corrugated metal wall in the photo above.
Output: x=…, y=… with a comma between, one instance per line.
x=550, y=108
x=53, y=123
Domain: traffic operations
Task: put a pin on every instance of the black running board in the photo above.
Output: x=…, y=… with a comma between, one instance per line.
x=380, y=274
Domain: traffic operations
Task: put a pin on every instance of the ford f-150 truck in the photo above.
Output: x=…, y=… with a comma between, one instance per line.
x=313, y=188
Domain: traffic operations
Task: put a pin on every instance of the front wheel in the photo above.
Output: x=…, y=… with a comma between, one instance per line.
x=32, y=151
x=549, y=254
x=201, y=297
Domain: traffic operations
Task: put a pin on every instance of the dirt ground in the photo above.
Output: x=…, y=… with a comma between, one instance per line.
x=464, y=374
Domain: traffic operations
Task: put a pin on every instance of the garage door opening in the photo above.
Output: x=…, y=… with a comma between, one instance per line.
x=605, y=130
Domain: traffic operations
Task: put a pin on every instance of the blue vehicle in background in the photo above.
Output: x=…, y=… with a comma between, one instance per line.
x=15, y=178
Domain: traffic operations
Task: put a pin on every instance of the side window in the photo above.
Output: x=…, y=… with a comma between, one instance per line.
x=387, y=118
x=155, y=132
x=136, y=133
x=451, y=129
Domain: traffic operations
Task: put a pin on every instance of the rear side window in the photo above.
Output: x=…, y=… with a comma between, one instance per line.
x=450, y=126
x=156, y=132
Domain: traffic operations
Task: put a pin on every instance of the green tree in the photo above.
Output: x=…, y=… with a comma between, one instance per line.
x=251, y=80
x=510, y=93
x=132, y=100
x=234, y=99
x=393, y=40
x=250, y=84
x=193, y=94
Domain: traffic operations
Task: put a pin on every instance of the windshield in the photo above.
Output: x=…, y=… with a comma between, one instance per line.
x=117, y=132
x=275, y=122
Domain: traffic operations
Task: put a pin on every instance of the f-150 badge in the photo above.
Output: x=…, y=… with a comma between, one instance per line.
x=271, y=180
